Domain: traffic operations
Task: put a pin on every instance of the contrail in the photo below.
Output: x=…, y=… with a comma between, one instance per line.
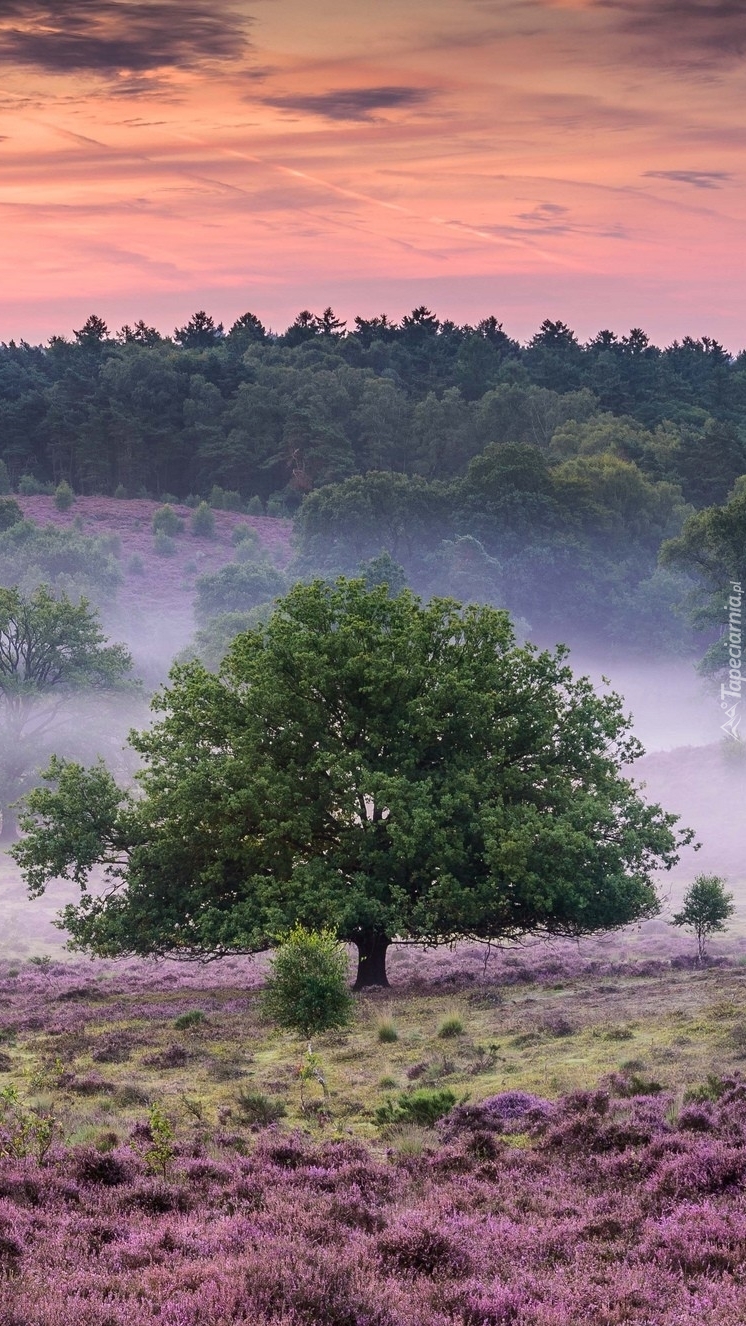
x=457, y=227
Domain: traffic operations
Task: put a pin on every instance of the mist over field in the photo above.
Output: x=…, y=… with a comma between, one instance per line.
x=688, y=767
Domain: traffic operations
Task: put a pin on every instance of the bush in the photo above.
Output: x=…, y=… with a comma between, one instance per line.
x=276, y=507
x=101, y=1168
x=257, y=1109
x=202, y=522
x=28, y=486
x=424, y=1106
x=254, y=507
x=62, y=559
x=10, y=513
x=243, y=535
x=307, y=987
x=63, y=496
x=237, y=588
x=194, y=1018
x=166, y=521
x=164, y=545
x=224, y=499
x=711, y=1090
x=136, y=565
x=174, y=1056
x=120, y=492
x=509, y=1112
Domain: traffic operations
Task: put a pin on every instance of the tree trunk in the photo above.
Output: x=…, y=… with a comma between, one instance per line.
x=371, y=969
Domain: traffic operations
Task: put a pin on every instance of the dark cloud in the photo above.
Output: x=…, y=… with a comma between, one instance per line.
x=355, y=103
x=105, y=36
x=698, y=179
x=693, y=32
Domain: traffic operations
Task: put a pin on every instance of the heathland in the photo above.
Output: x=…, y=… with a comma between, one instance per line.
x=542, y=1134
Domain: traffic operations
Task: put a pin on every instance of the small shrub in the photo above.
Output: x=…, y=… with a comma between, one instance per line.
x=244, y=534
x=307, y=989
x=618, y=1034
x=633, y=1084
x=202, y=522
x=114, y=1049
x=90, y=1084
x=185, y=1021
x=711, y=1090
x=418, y=1246
x=10, y=513
x=451, y=1026
x=558, y=1026
x=254, y=1107
x=227, y=1070
x=120, y=492
x=388, y=1083
x=63, y=496
x=166, y=521
x=255, y=507
x=135, y=565
x=160, y=1154
x=424, y=1107
x=164, y=545
x=386, y=1032
x=485, y=1059
x=25, y=1132
x=174, y=1056
x=102, y=1168
x=276, y=507
x=511, y=1112
x=224, y=499
x=28, y=486
x=42, y=961
x=130, y=1094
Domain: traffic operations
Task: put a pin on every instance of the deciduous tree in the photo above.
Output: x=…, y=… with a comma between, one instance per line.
x=367, y=763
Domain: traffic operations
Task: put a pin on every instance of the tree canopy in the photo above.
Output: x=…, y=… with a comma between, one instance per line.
x=364, y=762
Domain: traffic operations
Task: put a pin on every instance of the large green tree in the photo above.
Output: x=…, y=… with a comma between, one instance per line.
x=51, y=650
x=366, y=762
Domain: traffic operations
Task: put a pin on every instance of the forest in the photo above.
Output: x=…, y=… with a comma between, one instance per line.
x=545, y=477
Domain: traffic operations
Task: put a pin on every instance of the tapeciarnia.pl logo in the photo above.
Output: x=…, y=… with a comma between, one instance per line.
x=731, y=694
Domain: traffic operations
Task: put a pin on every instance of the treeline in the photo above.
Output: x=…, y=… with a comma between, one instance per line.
x=275, y=417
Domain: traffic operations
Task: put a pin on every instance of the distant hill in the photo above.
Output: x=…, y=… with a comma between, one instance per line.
x=154, y=604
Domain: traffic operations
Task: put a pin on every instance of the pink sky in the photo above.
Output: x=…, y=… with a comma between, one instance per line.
x=575, y=159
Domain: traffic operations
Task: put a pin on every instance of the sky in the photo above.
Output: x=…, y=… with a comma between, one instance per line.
x=573, y=159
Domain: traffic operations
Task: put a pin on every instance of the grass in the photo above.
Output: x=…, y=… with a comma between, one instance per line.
x=679, y=1030
x=387, y=1032
x=451, y=1026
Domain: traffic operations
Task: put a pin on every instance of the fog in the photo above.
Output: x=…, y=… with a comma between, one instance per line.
x=689, y=768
